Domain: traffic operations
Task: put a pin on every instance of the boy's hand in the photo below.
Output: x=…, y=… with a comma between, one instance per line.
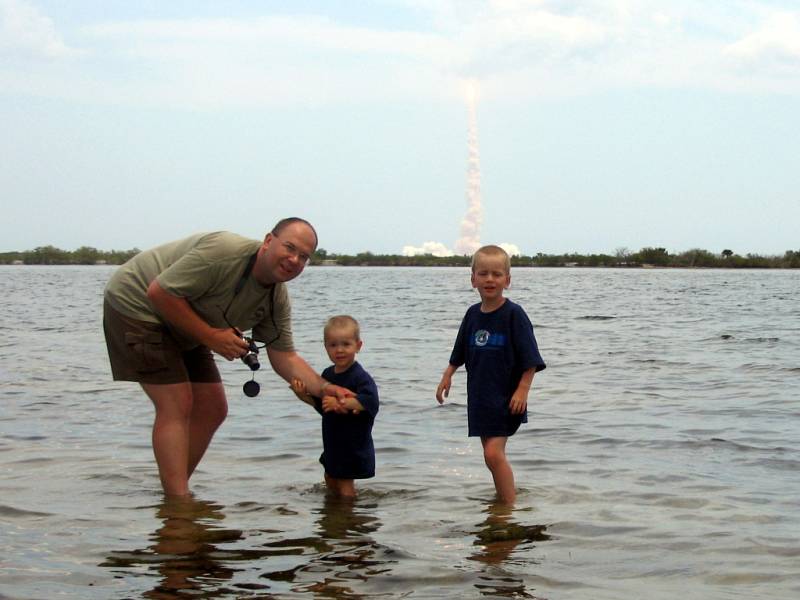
x=443, y=390
x=518, y=403
x=299, y=389
x=333, y=404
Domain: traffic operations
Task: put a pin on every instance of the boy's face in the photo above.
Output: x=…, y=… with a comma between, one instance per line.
x=490, y=277
x=342, y=346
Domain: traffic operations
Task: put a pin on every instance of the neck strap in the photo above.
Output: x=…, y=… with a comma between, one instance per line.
x=247, y=270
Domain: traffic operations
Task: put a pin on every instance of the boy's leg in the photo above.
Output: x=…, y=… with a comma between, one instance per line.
x=345, y=488
x=494, y=453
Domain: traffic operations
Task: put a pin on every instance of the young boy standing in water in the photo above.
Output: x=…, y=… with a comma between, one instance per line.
x=348, y=450
x=498, y=347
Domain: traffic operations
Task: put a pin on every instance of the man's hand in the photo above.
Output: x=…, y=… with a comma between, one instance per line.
x=342, y=406
x=331, y=389
x=227, y=343
x=333, y=404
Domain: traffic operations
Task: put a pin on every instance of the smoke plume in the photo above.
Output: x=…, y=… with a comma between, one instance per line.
x=470, y=239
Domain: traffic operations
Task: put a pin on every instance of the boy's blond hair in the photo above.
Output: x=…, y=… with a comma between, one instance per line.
x=343, y=321
x=493, y=251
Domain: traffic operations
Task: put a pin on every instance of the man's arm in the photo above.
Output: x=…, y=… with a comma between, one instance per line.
x=290, y=365
x=179, y=313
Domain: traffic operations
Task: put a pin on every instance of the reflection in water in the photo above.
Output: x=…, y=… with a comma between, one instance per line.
x=498, y=537
x=184, y=552
x=192, y=555
x=341, y=555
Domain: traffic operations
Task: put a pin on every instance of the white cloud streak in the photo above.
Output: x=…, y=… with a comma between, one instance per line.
x=517, y=49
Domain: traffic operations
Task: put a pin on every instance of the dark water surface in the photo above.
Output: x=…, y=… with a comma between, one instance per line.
x=661, y=459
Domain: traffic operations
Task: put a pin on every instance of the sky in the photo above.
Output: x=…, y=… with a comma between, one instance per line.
x=589, y=126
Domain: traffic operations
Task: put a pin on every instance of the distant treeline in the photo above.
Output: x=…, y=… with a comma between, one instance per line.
x=50, y=255
x=646, y=257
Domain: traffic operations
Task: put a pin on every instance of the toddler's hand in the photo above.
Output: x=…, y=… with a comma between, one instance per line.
x=298, y=387
x=333, y=404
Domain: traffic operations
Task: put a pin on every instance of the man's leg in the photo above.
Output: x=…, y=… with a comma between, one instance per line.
x=494, y=453
x=171, y=431
x=209, y=410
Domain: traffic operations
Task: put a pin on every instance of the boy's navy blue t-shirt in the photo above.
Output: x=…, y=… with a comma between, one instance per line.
x=496, y=348
x=348, y=450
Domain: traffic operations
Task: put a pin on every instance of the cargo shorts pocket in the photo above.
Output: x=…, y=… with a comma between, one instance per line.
x=147, y=351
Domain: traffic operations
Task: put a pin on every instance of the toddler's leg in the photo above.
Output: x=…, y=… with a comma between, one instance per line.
x=494, y=453
x=344, y=488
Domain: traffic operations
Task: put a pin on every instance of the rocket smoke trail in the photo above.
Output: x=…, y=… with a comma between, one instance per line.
x=471, y=224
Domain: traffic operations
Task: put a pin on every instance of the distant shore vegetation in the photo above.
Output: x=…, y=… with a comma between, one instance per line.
x=649, y=257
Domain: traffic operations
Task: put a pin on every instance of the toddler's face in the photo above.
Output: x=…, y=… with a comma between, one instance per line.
x=342, y=346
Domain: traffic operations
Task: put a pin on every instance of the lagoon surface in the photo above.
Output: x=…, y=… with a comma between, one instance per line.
x=661, y=458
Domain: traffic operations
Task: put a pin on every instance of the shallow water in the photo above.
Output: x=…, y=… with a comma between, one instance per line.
x=661, y=456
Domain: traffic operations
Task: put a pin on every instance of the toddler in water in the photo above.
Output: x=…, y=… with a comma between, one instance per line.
x=498, y=347
x=348, y=451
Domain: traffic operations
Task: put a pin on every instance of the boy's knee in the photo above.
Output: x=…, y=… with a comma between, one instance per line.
x=493, y=457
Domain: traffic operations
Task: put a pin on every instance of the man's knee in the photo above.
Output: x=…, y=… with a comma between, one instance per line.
x=217, y=413
x=173, y=401
x=210, y=401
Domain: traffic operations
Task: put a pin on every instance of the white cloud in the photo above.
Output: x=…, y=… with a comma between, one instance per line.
x=25, y=31
x=434, y=248
x=439, y=249
x=518, y=49
x=777, y=39
x=511, y=249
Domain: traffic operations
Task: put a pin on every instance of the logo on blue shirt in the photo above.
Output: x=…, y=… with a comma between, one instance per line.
x=484, y=338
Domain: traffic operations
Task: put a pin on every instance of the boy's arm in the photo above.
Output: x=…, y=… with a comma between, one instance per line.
x=443, y=389
x=365, y=399
x=350, y=405
x=519, y=399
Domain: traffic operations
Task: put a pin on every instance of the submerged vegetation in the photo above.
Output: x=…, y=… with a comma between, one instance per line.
x=622, y=258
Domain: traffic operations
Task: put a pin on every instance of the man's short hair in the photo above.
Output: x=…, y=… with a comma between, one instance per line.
x=343, y=321
x=284, y=223
x=492, y=250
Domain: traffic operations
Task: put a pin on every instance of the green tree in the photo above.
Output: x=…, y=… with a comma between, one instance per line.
x=86, y=255
x=46, y=255
x=653, y=256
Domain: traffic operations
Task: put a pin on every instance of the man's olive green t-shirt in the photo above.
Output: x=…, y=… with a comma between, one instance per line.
x=205, y=268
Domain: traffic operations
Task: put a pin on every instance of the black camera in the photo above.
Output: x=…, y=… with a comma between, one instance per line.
x=251, y=358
